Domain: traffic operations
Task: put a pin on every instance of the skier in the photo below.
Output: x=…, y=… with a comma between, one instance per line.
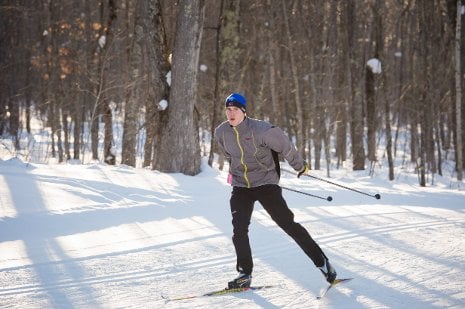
x=252, y=146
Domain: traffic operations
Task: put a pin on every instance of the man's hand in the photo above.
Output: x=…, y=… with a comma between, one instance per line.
x=304, y=170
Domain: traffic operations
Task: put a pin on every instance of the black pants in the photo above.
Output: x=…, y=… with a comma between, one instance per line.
x=270, y=196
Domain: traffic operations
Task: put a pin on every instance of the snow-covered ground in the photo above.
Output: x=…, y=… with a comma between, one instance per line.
x=97, y=236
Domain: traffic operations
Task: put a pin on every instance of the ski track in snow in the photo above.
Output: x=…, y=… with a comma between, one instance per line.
x=96, y=236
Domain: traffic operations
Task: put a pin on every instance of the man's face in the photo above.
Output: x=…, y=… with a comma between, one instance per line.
x=234, y=115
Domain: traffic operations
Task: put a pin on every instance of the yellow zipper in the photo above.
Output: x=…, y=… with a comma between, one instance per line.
x=242, y=157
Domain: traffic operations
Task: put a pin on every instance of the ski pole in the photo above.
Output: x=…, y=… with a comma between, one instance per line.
x=376, y=196
x=329, y=198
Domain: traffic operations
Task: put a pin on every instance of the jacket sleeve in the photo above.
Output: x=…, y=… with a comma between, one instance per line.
x=277, y=140
x=219, y=138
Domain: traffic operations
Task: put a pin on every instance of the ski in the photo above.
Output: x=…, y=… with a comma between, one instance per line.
x=336, y=282
x=221, y=292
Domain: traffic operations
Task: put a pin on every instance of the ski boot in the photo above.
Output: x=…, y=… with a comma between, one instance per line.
x=242, y=281
x=328, y=271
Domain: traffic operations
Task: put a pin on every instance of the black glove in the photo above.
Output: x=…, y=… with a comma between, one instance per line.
x=304, y=170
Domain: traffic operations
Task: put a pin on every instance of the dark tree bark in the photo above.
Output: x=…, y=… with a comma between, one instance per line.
x=371, y=112
x=134, y=92
x=295, y=83
x=103, y=98
x=179, y=149
x=217, y=108
x=458, y=93
x=156, y=53
x=356, y=104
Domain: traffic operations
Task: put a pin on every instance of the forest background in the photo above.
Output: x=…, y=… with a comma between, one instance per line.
x=356, y=82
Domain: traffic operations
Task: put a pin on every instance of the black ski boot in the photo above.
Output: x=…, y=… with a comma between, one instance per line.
x=242, y=281
x=328, y=271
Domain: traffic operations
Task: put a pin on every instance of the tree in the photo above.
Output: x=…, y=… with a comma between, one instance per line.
x=295, y=83
x=134, y=92
x=157, y=54
x=355, y=105
x=458, y=92
x=216, y=116
x=179, y=149
x=373, y=68
x=104, y=103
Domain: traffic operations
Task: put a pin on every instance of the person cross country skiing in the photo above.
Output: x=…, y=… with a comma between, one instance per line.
x=252, y=146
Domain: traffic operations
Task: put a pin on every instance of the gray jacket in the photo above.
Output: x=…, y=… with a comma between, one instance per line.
x=248, y=149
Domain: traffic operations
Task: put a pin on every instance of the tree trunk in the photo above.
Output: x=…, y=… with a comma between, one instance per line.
x=458, y=94
x=107, y=115
x=179, y=149
x=216, y=107
x=134, y=94
x=356, y=104
x=296, y=84
x=272, y=66
x=64, y=120
x=156, y=51
x=371, y=113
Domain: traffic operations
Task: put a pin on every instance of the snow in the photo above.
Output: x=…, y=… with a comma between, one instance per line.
x=101, y=41
x=163, y=105
x=98, y=236
x=168, y=78
x=375, y=65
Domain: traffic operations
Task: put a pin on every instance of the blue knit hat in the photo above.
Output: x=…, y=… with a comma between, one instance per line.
x=237, y=100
